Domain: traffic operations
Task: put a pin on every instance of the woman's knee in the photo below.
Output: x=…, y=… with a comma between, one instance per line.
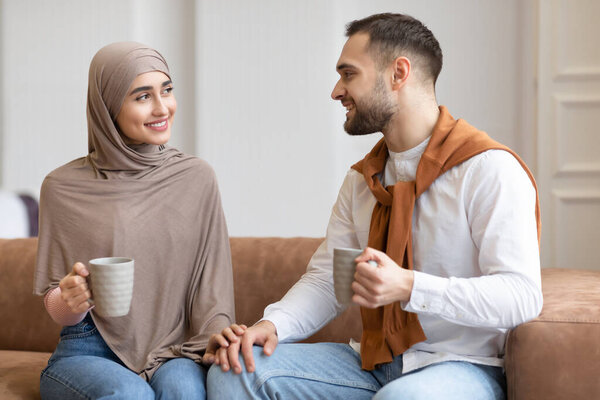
x=55, y=387
x=91, y=377
x=180, y=378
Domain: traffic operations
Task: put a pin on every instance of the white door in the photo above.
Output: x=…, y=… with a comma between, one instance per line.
x=568, y=140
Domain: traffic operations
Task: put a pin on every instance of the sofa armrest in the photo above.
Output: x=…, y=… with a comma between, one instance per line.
x=557, y=355
x=25, y=323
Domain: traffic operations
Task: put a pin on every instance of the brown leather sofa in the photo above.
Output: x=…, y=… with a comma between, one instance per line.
x=556, y=356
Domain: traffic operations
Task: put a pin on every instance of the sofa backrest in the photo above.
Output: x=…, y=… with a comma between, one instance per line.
x=263, y=269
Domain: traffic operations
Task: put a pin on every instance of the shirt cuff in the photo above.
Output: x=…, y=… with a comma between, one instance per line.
x=427, y=294
x=282, y=328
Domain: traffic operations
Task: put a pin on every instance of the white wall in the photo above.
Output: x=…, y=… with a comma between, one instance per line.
x=253, y=80
x=265, y=118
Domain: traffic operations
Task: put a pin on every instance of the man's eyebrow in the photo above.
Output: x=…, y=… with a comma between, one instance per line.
x=142, y=88
x=344, y=66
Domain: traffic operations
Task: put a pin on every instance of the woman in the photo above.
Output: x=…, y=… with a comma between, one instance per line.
x=133, y=196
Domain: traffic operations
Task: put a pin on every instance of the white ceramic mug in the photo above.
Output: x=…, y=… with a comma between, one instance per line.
x=111, y=284
x=344, y=268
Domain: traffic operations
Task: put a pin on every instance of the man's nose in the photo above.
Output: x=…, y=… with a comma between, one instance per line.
x=338, y=92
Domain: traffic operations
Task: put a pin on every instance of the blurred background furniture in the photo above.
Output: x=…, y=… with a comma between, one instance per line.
x=18, y=215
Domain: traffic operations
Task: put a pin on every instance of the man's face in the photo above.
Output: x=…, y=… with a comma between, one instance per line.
x=362, y=89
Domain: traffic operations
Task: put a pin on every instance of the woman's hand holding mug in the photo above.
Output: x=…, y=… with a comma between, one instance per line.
x=74, y=289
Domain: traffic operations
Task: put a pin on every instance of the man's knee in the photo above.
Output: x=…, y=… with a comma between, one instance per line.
x=395, y=390
x=223, y=385
x=449, y=380
x=228, y=384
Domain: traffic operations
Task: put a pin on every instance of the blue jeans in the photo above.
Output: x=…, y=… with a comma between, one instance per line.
x=333, y=371
x=84, y=367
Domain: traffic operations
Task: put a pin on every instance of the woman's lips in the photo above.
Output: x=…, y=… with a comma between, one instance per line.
x=159, y=125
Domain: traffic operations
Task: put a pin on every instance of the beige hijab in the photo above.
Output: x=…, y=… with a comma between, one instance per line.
x=152, y=203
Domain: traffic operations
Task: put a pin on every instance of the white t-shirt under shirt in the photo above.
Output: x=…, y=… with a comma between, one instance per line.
x=476, y=259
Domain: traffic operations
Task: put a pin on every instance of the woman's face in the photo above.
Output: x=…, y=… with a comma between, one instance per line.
x=148, y=109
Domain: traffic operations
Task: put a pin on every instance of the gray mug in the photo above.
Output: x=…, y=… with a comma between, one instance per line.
x=344, y=268
x=111, y=284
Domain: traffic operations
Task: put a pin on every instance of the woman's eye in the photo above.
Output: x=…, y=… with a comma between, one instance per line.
x=143, y=97
x=168, y=90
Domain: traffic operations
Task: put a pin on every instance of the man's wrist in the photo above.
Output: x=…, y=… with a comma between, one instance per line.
x=410, y=283
x=269, y=325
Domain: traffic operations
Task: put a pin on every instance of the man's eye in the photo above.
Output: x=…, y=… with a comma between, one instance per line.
x=348, y=75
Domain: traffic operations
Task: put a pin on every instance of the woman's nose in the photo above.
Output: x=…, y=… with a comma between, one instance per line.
x=160, y=108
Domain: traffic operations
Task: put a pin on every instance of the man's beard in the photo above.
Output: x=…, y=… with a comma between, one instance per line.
x=373, y=114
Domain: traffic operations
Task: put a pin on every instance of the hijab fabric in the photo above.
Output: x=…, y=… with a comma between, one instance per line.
x=389, y=330
x=151, y=203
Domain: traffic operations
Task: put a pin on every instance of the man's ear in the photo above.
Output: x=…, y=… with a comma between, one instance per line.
x=401, y=70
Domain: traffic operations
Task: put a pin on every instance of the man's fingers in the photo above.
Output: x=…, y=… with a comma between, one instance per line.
x=370, y=294
x=229, y=335
x=218, y=341
x=367, y=274
x=221, y=359
x=234, y=359
x=238, y=330
x=247, y=344
x=372, y=254
x=361, y=301
x=233, y=333
x=270, y=344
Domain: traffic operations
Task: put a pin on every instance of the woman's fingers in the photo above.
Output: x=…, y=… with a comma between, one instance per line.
x=80, y=269
x=79, y=303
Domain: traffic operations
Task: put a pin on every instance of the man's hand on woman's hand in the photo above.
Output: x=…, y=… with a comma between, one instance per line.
x=74, y=289
x=220, y=341
x=263, y=334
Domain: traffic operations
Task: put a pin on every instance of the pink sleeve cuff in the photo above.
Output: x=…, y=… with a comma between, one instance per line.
x=59, y=310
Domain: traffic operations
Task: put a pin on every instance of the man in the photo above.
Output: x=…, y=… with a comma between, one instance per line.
x=456, y=210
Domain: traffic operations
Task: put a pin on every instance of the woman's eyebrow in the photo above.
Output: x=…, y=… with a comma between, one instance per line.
x=142, y=88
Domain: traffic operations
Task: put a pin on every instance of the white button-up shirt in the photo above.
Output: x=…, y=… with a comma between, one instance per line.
x=476, y=259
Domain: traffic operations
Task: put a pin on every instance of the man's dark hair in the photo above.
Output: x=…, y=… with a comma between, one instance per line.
x=396, y=35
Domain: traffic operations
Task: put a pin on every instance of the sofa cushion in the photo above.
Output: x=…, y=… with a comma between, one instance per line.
x=557, y=355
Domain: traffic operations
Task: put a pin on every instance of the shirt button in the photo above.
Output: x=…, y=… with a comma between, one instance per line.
x=424, y=307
